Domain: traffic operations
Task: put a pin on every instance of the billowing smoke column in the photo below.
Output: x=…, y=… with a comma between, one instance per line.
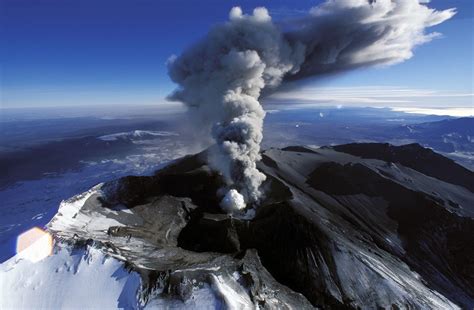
x=221, y=78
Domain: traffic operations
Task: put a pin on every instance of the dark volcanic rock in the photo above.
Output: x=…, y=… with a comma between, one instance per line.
x=300, y=149
x=416, y=157
x=370, y=226
x=431, y=235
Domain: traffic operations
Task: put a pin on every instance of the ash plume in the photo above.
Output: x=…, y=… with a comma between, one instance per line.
x=221, y=78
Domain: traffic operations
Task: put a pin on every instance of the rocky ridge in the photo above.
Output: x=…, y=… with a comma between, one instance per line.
x=352, y=226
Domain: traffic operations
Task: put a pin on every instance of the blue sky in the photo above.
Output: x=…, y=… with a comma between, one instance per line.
x=89, y=52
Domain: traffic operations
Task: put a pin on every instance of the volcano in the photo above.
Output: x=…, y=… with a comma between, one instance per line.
x=343, y=227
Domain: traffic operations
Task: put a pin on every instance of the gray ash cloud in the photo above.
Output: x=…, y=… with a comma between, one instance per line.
x=222, y=77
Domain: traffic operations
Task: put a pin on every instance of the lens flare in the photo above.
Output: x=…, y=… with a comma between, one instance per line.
x=34, y=244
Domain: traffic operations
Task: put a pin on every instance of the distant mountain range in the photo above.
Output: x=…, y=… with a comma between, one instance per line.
x=452, y=136
x=34, y=149
x=449, y=135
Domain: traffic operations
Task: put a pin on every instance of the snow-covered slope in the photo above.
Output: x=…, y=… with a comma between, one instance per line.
x=68, y=279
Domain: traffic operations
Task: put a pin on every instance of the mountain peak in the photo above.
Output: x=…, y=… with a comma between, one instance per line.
x=334, y=222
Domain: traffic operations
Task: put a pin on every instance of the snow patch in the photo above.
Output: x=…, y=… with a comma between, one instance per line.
x=137, y=134
x=86, y=279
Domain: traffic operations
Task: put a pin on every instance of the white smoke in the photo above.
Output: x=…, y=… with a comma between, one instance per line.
x=233, y=201
x=221, y=78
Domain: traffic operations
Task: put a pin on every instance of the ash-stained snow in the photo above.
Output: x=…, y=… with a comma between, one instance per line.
x=34, y=202
x=87, y=278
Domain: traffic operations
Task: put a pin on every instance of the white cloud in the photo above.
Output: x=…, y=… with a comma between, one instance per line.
x=379, y=96
x=457, y=112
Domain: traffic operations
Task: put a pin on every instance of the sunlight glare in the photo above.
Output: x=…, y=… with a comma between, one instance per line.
x=34, y=244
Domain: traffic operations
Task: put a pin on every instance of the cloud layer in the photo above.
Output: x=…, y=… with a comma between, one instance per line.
x=222, y=77
x=377, y=96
